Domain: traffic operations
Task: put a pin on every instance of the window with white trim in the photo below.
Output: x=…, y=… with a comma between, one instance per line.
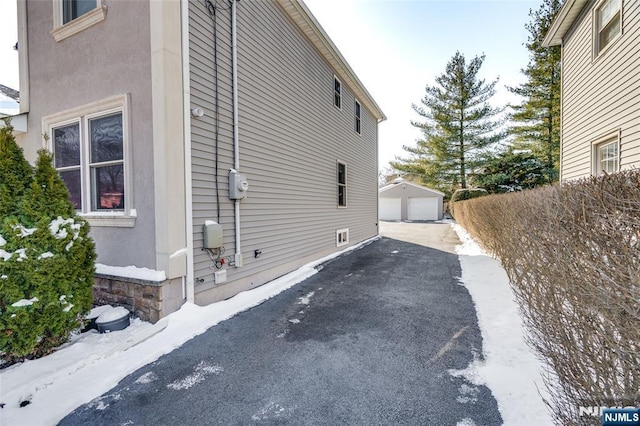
x=606, y=156
x=72, y=16
x=337, y=93
x=342, y=185
x=608, y=23
x=89, y=146
x=358, y=118
x=342, y=237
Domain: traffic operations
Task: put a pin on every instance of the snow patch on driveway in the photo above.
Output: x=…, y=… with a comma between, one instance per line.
x=509, y=369
x=305, y=300
x=200, y=374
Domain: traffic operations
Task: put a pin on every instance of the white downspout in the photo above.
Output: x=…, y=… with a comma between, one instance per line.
x=236, y=140
x=186, y=107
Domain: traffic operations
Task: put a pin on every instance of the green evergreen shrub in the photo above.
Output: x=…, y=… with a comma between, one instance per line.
x=46, y=263
x=14, y=170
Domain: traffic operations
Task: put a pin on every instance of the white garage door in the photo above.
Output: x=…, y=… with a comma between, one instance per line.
x=422, y=208
x=389, y=209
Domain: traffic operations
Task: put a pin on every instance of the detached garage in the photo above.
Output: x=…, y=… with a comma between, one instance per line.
x=401, y=200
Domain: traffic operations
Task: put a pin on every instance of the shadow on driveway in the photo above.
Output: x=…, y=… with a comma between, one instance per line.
x=368, y=340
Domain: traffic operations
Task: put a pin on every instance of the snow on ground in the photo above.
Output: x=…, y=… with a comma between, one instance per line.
x=509, y=368
x=91, y=364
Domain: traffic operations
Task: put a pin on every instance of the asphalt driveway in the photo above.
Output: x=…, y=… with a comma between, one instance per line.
x=368, y=340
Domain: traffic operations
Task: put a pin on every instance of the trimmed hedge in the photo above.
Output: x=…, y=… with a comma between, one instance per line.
x=572, y=254
x=465, y=194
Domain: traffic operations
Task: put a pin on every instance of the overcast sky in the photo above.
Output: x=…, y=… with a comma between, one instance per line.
x=395, y=47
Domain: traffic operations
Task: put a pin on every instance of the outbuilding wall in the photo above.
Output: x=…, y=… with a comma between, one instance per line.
x=405, y=190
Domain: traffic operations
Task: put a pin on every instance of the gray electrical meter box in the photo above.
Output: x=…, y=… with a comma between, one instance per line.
x=238, y=185
x=212, y=235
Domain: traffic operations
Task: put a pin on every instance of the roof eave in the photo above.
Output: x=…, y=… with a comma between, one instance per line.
x=302, y=17
x=567, y=16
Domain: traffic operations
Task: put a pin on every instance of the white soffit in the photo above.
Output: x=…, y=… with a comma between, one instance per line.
x=563, y=22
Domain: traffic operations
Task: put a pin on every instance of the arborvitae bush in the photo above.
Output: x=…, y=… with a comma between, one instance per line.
x=14, y=170
x=46, y=262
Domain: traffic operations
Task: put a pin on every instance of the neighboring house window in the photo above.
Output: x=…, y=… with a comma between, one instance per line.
x=342, y=185
x=337, y=93
x=358, y=118
x=90, y=153
x=608, y=18
x=72, y=16
x=606, y=156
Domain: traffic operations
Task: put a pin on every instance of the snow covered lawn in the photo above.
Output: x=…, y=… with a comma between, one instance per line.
x=91, y=364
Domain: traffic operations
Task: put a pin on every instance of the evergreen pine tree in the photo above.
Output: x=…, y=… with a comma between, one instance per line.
x=511, y=170
x=459, y=123
x=537, y=118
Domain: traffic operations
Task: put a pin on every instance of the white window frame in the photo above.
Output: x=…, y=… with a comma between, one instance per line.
x=82, y=115
x=357, y=112
x=597, y=29
x=339, y=184
x=342, y=237
x=337, y=94
x=61, y=30
x=596, y=160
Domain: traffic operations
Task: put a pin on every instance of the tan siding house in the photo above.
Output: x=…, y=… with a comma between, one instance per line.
x=600, y=86
x=198, y=97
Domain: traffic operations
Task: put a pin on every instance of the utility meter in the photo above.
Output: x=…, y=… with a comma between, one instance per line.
x=238, y=185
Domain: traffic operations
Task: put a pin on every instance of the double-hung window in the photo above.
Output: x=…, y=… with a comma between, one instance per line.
x=342, y=185
x=358, y=118
x=72, y=16
x=608, y=23
x=72, y=9
x=90, y=153
x=337, y=93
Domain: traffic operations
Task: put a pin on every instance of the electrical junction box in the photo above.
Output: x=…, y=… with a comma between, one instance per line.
x=212, y=235
x=220, y=276
x=238, y=185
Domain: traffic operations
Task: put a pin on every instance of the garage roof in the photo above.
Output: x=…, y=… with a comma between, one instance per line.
x=401, y=181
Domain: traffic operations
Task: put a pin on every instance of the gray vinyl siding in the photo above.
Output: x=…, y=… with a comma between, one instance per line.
x=202, y=87
x=601, y=95
x=291, y=138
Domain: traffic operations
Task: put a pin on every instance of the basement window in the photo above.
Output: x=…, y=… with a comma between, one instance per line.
x=342, y=237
